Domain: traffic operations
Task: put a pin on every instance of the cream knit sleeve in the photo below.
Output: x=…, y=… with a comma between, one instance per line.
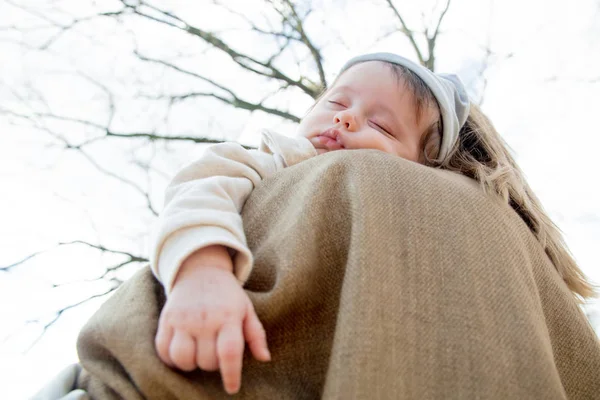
x=204, y=200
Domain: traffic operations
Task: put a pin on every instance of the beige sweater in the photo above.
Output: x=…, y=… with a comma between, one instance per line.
x=204, y=200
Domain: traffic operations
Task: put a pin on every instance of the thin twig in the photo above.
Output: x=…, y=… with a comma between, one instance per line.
x=7, y=268
x=244, y=60
x=408, y=33
x=234, y=101
x=60, y=312
x=105, y=249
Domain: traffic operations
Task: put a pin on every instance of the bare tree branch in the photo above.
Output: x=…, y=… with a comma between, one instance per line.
x=440, y=19
x=316, y=54
x=484, y=66
x=134, y=258
x=245, y=61
x=61, y=311
x=131, y=257
x=89, y=158
x=107, y=92
x=155, y=136
x=408, y=33
x=116, y=282
x=107, y=133
x=7, y=268
x=62, y=27
x=432, y=38
x=34, y=13
x=234, y=101
x=119, y=178
x=254, y=27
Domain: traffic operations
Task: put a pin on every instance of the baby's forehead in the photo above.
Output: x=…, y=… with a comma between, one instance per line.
x=366, y=70
x=378, y=76
x=396, y=81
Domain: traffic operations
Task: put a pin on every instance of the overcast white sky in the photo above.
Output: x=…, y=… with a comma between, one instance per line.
x=542, y=93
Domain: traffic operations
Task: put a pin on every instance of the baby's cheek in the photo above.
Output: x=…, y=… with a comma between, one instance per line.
x=302, y=130
x=407, y=154
x=313, y=123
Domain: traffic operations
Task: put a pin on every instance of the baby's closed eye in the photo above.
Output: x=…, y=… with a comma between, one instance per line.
x=336, y=103
x=380, y=127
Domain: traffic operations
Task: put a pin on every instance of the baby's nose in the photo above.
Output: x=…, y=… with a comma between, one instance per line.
x=345, y=118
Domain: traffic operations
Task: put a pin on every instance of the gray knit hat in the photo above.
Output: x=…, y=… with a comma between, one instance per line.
x=448, y=90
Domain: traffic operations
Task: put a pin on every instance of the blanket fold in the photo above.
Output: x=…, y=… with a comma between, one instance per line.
x=375, y=278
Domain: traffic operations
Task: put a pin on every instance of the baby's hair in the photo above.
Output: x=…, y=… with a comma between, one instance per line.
x=423, y=100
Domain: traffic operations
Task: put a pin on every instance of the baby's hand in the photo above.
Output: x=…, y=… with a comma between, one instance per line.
x=204, y=322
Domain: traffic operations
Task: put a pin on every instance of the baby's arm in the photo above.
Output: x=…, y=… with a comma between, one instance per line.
x=204, y=200
x=207, y=314
x=202, y=208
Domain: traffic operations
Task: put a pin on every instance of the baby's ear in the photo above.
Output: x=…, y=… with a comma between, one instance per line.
x=431, y=141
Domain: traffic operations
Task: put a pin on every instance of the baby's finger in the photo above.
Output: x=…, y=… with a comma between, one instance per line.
x=162, y=342
x=230, y=350
x=206, y=354
x=183, y=351
x=256, y=336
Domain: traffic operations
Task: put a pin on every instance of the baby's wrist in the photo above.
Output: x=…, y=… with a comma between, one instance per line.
x=215, y=256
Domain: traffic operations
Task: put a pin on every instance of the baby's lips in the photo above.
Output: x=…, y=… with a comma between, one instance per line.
x=322, y=141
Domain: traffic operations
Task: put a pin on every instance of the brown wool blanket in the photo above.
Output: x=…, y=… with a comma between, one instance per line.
x=375, y=278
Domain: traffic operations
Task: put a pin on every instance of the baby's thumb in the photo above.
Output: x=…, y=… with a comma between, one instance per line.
x=255, y=336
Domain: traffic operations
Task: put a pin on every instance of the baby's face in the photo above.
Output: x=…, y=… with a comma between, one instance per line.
x=367, y=108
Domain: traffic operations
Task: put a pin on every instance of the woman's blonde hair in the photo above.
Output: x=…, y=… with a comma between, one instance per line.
x=480, y=153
